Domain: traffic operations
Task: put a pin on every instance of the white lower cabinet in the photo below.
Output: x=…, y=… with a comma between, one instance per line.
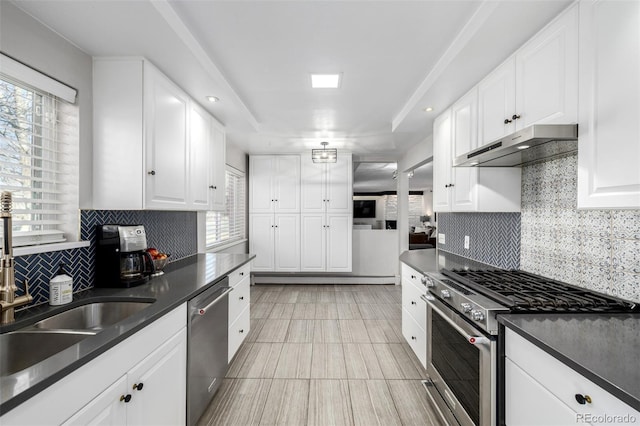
x=275, y=241
x=326, y=242
x=541, y=390
x=414, y=313
x=239, y=303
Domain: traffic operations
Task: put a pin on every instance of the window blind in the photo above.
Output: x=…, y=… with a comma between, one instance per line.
x=229, y=225
x=38, y=162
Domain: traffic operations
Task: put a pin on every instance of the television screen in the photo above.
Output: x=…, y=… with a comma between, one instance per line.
x=364, y=208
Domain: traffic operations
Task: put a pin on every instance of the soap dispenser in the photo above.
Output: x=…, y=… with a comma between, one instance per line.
x=60, y=288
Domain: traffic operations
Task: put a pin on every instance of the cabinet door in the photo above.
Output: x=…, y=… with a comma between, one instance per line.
x=261, y=171
x=608, y=171
x=313, y=243
x=162, y=377
x=165, y=142
x=238, y=331
x=217, y=167
x=312, y=185
x=339, y=241
x=261, y=230
x=106, y=409
x=442, y=163
x=339, y=185
x=287, y=242
x=547, y=74
x=199, y=147
x=415, y=336
x=464, y=137
x=287, y=183
x=496, y=103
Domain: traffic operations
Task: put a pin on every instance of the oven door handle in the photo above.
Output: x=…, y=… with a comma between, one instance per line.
x=474, y=340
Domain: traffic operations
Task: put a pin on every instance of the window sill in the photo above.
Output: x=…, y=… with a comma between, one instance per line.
x=23, y=251
x=224, y=246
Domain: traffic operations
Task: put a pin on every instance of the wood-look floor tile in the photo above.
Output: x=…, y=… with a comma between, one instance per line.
x=371, y=311
x=414, y=360
x=329, y=403
x=269, y=297
x=261, y=361
x=392, y=311
x=353, y=331
x=255, y=328
x=294, y=361
x=326, y=331
x=384, y=297
x=372, y=403
x=361, y=361
x=365, y=297
x=412, y=403
x=381, y=331
x=238, y=402
x=273, y=330
x=326, y=297
x=327, y=361
x=326, y=311
x=290, y=296
x=300, y=331
x=394, y=361
x=239, y=359
x=287, y=403
x=348, y=311
x=307, y=296
x=260, y=310
x=345, y=297
x=281, y=311
x=304, y=311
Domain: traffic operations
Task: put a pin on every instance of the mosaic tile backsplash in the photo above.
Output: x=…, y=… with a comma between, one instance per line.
x=596, y=249
x=494, y=238
x=171, y=232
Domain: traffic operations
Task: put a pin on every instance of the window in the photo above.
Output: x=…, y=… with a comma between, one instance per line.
x=228, y=226
x=39, y=162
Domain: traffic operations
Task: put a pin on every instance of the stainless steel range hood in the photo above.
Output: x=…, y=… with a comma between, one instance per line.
x=532, y=144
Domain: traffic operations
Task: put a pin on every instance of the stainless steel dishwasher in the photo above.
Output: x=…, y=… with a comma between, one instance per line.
x=208, y=333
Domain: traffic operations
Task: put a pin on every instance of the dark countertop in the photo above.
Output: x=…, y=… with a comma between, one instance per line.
x=601, y=347
x=181, y=281
x=430, y=261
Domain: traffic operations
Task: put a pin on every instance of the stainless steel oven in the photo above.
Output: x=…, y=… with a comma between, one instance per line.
x=461, y=365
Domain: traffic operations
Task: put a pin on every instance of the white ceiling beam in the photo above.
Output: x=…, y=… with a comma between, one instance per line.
x=472, y=26
x=169, y=14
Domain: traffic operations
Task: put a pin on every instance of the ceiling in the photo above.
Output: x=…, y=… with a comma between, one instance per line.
x=378, y=177
x=396, y=58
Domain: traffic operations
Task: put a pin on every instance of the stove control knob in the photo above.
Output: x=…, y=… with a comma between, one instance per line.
x=466, y=307
x=445, y=294
x=423, y=279
x=429, y=282
x=477, y=315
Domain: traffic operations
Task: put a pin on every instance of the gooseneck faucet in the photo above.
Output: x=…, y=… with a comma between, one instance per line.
x=8, y=288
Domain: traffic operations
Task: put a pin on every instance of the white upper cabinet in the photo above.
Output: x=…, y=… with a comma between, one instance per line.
x=327, y=187
x=200, y=147
x=464, y=132
x=217, y=167
x=442, y=163
x=274, y=184
x=539, y=84
x=609, y=133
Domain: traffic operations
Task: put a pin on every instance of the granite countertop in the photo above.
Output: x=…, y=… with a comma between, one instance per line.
x=601, y=347
x=181, y=281
x=431, y=261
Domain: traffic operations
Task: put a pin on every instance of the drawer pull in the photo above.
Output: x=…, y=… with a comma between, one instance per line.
x=242, y=274
x=125, y=398
x=583, y=399
x=241, y=330
x=241, y=297
x=413, y=277
x=138, y=386
x=414, y=338
x=413, y=303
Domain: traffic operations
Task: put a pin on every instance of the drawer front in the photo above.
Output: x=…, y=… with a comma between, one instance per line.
x=415, y=336
x=239, y=298
x=561, y=380
x=239, y=274
x=238, y=331
x=411, y=275
x=412, y=302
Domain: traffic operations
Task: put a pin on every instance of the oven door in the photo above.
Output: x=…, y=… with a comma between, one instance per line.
x=461, y=364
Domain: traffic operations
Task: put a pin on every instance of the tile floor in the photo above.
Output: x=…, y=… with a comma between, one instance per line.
x=323, y=355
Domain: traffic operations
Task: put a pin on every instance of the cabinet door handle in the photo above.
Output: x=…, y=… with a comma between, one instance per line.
x=241, y=297
x=583, y=399
x=413, y=302
x=451, y=185
x=138, y=386
x=213, y=187
x=126, y=398
x=414, y=338
x=152, y=173
x=413, y=277
x=241, y=330
x=242, y=274
x=507, y=121
x=515, y=116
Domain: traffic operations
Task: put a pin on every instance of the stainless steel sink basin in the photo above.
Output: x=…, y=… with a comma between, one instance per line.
x=93, y=316
x=20, y=350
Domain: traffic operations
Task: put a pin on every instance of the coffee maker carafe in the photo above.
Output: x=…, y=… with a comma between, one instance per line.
x=122, y=259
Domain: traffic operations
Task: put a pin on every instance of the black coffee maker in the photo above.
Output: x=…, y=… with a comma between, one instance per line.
x=122, y=259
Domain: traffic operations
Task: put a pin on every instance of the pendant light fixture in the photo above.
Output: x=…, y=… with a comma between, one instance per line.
x=324, y=155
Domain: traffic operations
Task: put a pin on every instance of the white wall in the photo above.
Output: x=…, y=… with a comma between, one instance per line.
x=375, y=253
x=33, y=44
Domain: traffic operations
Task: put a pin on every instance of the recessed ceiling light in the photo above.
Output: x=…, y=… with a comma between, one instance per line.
x=523, y=147
x=475, y=163
x=213, y=99
x=428, y=109
x=325, y=81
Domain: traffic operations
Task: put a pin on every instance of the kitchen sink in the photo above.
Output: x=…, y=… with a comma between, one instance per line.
x=22, y=349
x=92, y=316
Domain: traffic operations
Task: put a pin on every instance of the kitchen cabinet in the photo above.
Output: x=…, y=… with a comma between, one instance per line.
x=275, y=240
x=152, y=143
x=154, y=356
x=608, y=132
x=468, y=189
x=538, y=84
x=540, y=389
x=274, y=184
x=147, y=394
x=327, y=187
x=217, y=167
x=326, y=242
x=414, y=312
x=239, y=314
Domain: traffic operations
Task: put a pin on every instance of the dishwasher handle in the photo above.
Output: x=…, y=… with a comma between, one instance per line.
x=203, y=311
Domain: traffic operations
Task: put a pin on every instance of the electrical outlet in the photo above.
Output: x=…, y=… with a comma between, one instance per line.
x=466, y=242
x=441, y=239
